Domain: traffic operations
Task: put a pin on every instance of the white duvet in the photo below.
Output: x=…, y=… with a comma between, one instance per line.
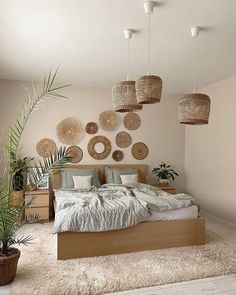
x=111, y=207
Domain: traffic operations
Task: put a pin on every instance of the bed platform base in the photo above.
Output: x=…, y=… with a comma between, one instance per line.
x=144, y=236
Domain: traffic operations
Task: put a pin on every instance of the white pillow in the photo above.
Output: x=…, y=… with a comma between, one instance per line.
x=82, y=182
x=132, y=178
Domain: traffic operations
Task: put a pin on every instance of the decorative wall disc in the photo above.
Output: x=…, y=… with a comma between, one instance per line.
x=109, y=120
x=70, y=131
x=92, y=128
x=139, y=150
x=123, y=139
x=107, y=147
x=118, y=155
x=132, y=121
x=75, y=153
x=46, y=147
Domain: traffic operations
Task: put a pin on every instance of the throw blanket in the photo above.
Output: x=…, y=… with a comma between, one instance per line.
x=111, y=206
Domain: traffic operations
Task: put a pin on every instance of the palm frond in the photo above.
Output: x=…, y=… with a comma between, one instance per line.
x=10, y=214
x=36, y=97
x=21, y=241
x=47, y=166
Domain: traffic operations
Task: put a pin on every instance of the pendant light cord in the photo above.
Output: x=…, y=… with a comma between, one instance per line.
x=194, y=63
x=148, y=45
x=128, y=59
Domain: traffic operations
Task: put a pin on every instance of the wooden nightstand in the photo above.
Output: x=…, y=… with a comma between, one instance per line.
x=40, y=204
x=168, y=189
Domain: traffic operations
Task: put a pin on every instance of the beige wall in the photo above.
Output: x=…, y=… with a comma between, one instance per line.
x=210, y=153
x=159, y=130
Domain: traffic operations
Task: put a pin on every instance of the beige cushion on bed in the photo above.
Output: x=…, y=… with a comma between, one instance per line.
x=82, y=182
x=132, y=178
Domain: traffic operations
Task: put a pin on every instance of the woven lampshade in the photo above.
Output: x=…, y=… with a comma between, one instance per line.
x=124, y=97
x=148, y=89
x=194, y=109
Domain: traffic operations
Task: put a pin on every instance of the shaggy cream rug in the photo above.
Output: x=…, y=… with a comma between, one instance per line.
x=39, y=272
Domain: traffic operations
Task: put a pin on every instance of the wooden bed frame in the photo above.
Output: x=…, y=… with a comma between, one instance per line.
x=144, y=236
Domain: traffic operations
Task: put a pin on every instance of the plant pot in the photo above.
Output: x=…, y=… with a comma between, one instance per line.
x=8, y=267
x=163, y=182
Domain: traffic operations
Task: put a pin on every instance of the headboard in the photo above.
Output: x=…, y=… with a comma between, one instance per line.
x=142, y=169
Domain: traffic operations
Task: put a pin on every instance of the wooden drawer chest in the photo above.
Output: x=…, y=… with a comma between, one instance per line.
x=39, y=205
x=168, y=189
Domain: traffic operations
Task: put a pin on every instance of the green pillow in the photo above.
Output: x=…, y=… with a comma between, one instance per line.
x=109, y=175
x=113, y=175
x=67, y=176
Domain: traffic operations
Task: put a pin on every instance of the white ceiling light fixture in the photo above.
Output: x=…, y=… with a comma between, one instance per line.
x=149, y=87
x=194, y=108
x=123, y=93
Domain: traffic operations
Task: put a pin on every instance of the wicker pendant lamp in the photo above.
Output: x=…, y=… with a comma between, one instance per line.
x=123, y=93
x=194, y=108
x=149, y=87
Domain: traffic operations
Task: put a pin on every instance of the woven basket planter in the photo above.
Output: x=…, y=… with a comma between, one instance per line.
x=194, y=109
x=8, y=267
x=124, y=97
x=148, y=89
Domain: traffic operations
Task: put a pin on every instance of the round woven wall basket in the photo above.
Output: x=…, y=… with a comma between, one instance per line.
x=139, y=151
x=70, y=131
x=117, y=155
x=123, y=139
x=132, y=121
x=46, y=147
x=91, y=128
x=107, y=147
x=109, y=121
x=124, y=97
x=194, y=109
x=75, y=153
x=148, y=89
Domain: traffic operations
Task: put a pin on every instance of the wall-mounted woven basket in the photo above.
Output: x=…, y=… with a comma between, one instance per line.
x=148, y=89
x=194, y=109
x=124, y=97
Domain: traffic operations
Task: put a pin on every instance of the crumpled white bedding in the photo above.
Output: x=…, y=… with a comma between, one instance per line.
x=112, y=207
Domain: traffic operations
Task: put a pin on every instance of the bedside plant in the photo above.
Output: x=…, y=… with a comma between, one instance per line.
x=12, y=181
x=164, y=173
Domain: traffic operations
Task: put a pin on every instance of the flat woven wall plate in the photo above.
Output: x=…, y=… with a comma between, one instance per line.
x=117, y=155
x=139, y=150
x=91, y=128
x=109, y=120
x=132, y=121
x=70, y=131
x=46, y=147
x=123, y=139
x=107, y=147
x=75, y=153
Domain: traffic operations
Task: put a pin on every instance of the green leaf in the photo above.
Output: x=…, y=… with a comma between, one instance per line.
x=36, y=96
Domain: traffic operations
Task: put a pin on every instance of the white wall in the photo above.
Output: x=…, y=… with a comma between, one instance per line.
x=160, y=129
x=210, y=153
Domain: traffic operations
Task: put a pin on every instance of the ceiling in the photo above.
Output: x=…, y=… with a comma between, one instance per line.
x=86, y=39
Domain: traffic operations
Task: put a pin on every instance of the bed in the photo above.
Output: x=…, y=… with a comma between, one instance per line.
x=174, y=228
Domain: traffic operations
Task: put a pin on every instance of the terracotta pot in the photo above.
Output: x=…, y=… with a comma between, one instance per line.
x=8, y=266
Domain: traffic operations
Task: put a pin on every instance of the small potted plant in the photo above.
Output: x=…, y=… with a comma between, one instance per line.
x=12, y=182
x=164, y=173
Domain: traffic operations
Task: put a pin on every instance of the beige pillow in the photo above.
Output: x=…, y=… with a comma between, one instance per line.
x=132, y=178
x=82, y=182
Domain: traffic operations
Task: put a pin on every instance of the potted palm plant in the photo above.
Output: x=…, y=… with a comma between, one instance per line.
x=164, y=173
x=13, y=181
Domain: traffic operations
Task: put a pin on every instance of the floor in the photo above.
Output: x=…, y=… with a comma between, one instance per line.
x=223, y=285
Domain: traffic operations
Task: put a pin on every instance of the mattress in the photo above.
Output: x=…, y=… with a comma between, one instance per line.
x=176, y=214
